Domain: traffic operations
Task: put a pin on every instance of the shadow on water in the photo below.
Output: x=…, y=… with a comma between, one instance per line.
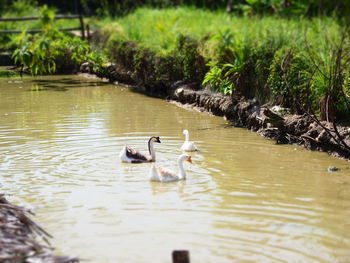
x=220, y=126
x=69, y=81
x=245, y=199
x=36, y=87
x=63, y=84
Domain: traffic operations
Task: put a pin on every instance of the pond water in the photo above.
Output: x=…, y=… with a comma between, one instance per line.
x=246, y=199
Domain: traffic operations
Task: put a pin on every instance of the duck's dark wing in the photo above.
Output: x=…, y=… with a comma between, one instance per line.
x=136, y=156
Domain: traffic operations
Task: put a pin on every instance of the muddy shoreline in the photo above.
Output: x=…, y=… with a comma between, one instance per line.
x=268, y=120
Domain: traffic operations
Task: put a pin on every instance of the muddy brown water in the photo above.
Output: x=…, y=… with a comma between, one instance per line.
x=246, y=199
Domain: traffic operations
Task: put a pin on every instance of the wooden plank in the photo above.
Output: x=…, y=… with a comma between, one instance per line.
x=67, y=16
x=8, y=19
x=37, y=30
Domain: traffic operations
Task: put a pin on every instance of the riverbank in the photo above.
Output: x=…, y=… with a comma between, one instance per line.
x=269, y=74
x=19, y=236
x=270, y=121
x=284, y=69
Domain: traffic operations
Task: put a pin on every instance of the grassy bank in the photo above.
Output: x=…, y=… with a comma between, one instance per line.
x=159, y=29
x=294, y=62
x=299, y=63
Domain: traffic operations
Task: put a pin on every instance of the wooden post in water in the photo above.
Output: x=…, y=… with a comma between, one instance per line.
x=181, y=256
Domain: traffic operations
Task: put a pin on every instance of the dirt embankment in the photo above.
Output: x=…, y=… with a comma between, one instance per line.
x=270, y=121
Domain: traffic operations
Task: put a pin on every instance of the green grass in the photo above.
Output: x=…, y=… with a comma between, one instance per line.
x=244, y=53
x=159, y=29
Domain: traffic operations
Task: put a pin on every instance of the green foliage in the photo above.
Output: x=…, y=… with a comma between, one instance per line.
x=159, y=30
x=226, y=45
x=168, y=68
x=228, y=65
x=46, y=20
x=189, y=59
x=279, y=7
x=219, y=78
x=244, y=57
x=290, y=79
x=18, y=7
x=249, y=7
x=44, y=54
x=51, y=50
x=332, y=73
x=184, y=62
x=306, y=79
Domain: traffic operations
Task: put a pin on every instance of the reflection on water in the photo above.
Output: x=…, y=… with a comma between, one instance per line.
x=245, y=199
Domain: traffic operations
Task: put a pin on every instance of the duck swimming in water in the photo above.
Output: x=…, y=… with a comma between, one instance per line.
x=129, y=155
x=188, y=146
x=159, y=174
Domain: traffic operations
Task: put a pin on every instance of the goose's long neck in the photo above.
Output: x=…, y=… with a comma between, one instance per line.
x=151, y=150
x=182, y=170
x=187, y=136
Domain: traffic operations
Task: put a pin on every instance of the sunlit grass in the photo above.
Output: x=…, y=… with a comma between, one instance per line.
x=241, y=51
x=159, y=29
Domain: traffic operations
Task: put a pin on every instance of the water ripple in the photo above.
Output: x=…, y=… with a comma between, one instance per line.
x=245, y=199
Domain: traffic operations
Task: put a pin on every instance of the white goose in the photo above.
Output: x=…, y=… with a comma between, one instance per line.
x=129, y=155
x=159, y=174
x=188, y=146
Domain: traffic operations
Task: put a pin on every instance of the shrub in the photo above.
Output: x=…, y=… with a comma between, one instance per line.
x=289, y=80
x=229, y=64
x=52, y=50
x=189, y=59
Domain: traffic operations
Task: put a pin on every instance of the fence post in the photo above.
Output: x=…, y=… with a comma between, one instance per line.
x=88, y=32
x=181, y=256
x=82, y=27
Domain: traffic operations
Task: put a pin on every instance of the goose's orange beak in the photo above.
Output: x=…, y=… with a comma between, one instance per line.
x=189, y=159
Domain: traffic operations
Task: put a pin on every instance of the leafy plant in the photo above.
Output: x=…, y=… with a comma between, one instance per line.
x=222, y=78
x=225, y=72
x=189, y=59
x=289, y=79
x=52, y=50
x=332, y=75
